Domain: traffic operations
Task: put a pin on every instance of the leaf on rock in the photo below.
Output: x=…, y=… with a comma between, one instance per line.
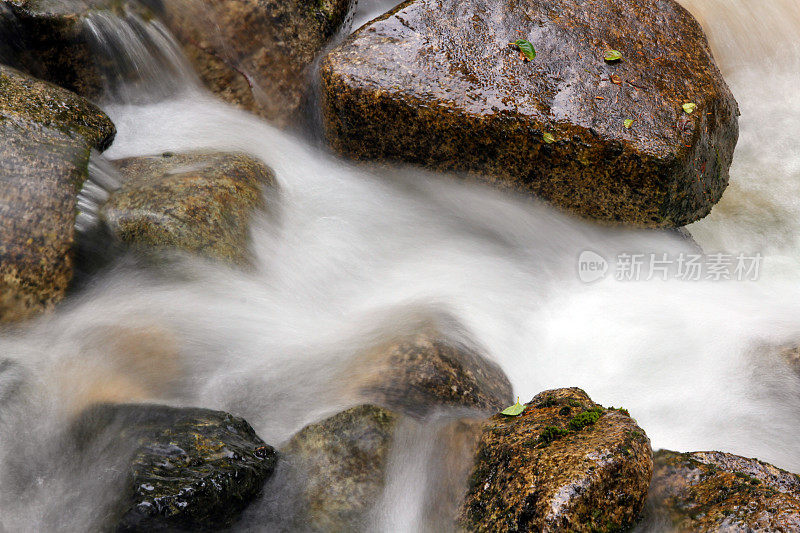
x=690, y=107
x=613, y=55
x=514, y=410
x=548, y=138
x=526, y=48
x=628, y=123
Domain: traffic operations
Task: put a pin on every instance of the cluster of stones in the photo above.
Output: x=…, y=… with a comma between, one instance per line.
x=435, y=83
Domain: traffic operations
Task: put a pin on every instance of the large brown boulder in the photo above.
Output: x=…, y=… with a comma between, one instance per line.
x=564, y=464
x=714, y=491
x=428, y=364
x=46, y=135
x=436, y=82
x=197, y=202
x=255, y=53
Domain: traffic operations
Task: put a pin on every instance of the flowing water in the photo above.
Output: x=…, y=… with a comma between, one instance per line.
x=358, y=252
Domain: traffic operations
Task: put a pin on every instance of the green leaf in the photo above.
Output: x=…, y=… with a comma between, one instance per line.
x=628, y=123
x=613, y=55
x=689, y=108
x=526, y=48
x=548, y=138
x=514, y=410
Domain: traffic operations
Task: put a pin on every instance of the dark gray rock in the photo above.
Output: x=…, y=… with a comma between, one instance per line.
x=190, y=469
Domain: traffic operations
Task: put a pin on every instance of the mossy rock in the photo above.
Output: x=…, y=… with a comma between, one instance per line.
x=425, y=365
x=187, y=469
x=541, y=471
x=342, y=464
x=197, y=202
x=715, y=491
x=47, y=136
x=436, y=83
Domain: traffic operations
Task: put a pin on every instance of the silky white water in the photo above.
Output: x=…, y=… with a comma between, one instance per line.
x=355, y=252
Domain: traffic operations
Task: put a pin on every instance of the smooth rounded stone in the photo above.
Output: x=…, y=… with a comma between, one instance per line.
x=255, y=53
x=564, y=464
x=185, y=469
x=198, y=202
x=342, y=464
x=46, y=136
x=436, y=83
x=431, y=365
x=714, y=491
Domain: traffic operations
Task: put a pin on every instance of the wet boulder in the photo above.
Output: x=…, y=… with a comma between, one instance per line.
x=46, y=136
x=52, y=42
x=714, y=491
x=441, y=83
x=341, y=463
x=564, y=464
x=256, y=53
x=432, y=364
x=198, y=202
x=184, y=469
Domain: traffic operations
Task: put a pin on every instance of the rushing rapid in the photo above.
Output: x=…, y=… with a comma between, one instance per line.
x=359, y=250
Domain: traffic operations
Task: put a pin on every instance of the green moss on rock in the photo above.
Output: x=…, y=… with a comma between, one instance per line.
x=534, y=473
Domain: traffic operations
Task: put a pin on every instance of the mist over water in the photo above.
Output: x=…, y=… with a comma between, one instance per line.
x=358, y=252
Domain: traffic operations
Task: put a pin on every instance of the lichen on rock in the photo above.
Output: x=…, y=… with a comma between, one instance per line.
x=540, y=471
x=715, y=491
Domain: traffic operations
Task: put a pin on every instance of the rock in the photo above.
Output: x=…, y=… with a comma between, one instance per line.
x=343, y=462
x=46, y=137
x=191, y=469
x=199, y=202
x=435, y=82
x=426, y=363
x=564, y=464
x=714, y=491
x=431, y=365
x=54, y=45
x=258, y=55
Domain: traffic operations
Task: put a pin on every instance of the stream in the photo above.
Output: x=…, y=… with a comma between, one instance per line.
x=358, y=250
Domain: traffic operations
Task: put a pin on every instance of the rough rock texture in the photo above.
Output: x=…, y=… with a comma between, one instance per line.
x=428, y=368
x=344, y=459
x=564, y=464
x=46, y=135
x=714, y=491
x=254, y=53
x=53, y=44
x=200, y=202
x=435, y=82
x=191, y=469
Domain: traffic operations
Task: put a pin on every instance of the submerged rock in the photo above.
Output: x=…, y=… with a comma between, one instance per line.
x=342, y=461
x=435, y=82
x=564, y=464
x=255, y=53
x=46, y=136
x=191, y=469
x=199, y=202
x=430, y=366
x=714, y=491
